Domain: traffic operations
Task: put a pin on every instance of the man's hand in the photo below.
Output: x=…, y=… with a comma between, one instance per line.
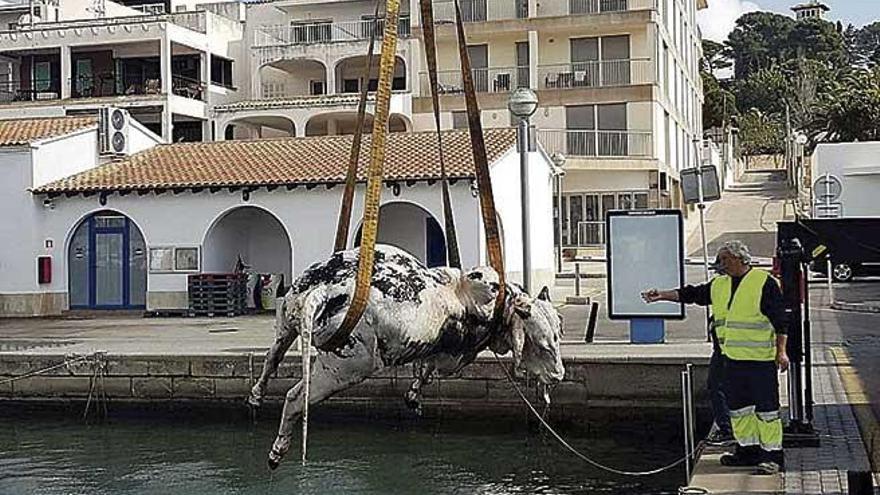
x=782, y=361
x=651, y=295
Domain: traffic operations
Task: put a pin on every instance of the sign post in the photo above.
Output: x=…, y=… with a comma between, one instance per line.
x=645, y=249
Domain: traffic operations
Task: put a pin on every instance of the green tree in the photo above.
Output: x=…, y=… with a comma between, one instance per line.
x=863, y=45
x=716, y=56
x=719, y=105
x=850, y=109
x=817, y=40
x=758, y=41
x=760, y=133
x=765, y=89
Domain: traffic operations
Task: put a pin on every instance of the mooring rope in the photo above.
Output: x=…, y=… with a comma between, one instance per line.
x=573, y=450
x=66, y=363
x=307, y=375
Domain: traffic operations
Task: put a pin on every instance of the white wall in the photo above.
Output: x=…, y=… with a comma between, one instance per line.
x=62, y=157
x=857, y=165
x=19, y=226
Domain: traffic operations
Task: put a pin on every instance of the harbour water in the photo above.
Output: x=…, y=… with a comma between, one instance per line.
x=194, y=454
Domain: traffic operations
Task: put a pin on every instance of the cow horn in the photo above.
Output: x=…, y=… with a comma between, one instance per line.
x=544, y=295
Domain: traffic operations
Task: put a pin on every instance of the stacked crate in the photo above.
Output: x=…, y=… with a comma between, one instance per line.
x=217, y=294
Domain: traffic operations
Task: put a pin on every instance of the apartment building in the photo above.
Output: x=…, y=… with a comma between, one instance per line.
x=617, y=80
x=73, y=57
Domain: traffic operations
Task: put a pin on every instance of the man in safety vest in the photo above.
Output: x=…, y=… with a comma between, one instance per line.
x=751, y=324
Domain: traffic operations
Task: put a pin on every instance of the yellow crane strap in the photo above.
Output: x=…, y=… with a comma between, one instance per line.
x=370, y=224
x=453, y=257
x=342, y=225
x=481, y=162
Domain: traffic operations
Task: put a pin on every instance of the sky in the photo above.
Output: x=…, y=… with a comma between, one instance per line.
x=718, y=20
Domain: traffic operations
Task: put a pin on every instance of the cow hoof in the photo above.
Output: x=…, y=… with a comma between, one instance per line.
x=411, y=399
x=274, y=459
x=254, y=401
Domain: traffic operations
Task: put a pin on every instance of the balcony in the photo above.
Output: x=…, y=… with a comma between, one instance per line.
x=500, y=10
x=597, y=144
x=596, y=74
x=481, y=10
x=325, y=32
x=97, y=86
x=552, y=8
x=150, y=8
x=486, y=80
x=194, y=21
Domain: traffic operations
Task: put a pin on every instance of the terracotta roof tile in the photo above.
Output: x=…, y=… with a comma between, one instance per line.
x=309, y=160
x=25, y=131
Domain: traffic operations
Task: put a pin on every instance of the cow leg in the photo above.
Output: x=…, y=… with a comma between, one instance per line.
x=331, y=373
x=413, y=396
x=287, y=332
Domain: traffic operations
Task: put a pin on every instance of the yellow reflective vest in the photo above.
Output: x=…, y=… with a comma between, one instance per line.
x=744, y=333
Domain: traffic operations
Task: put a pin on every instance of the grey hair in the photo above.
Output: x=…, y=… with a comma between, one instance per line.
x=737, y=249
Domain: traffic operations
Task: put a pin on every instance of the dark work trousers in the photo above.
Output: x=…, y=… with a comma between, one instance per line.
x=715, y=383
x=720, y=411
x=752, y=392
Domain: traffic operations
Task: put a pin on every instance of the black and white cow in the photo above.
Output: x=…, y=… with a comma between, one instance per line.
x=436, y=318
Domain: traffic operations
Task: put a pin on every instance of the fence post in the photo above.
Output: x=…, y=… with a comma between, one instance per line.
x=577, y=279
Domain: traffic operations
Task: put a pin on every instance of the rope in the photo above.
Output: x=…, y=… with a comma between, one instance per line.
x=43, y=371
x=573, y=450
x=307, y=377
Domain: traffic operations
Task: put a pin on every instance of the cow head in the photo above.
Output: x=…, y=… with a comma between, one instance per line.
x=478, y=290
x=532, y=330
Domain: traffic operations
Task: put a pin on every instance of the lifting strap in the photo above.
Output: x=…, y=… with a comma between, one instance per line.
x=342, y=225
x=481, y=162
x=370, y=224
x=453, y=257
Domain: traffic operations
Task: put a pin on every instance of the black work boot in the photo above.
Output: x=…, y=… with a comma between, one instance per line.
x=742, y=456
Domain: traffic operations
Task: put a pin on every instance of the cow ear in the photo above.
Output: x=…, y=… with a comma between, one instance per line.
x=545, y=294
x=479, y=286
x=522, y=306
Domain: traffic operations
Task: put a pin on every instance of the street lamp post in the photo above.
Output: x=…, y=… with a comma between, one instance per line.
x=522, y=104
x=559, y=161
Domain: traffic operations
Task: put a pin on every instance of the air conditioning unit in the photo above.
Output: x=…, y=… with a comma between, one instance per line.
x=114, y=126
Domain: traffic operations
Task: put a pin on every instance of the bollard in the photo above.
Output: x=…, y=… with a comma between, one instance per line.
x=591, y=323
x=577, y=279
x=860, y=483
x=684, y=415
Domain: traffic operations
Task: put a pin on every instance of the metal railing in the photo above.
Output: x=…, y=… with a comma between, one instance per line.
x=38, y=89
x=150, y=8
x=486, y=80
x=195, y=21
x=596, y=73
x=548, y=8
x=325, y=32
x=187, y=87
x=597, y=144
x=481, y=10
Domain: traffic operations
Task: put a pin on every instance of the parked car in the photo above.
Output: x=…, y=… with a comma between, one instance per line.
x=844, y=271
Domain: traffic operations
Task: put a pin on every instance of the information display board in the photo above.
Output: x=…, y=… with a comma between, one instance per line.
x=645, y=249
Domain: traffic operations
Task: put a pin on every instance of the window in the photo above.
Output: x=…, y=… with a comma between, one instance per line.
x=312, y=32
x=174, y=259
x=316, y=87
x=221, y=71
x=459, y=120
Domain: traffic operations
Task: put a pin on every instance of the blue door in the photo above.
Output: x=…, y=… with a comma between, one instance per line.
x=107, y=262
x=435, y=243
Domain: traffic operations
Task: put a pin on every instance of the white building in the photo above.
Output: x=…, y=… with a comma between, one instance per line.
x=126, y=233
x=167, y=70
x=810, y=10
x=857, y=167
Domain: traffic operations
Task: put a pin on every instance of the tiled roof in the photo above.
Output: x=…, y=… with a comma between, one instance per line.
x=25, y=131
x=267, y=162
x=297, y=102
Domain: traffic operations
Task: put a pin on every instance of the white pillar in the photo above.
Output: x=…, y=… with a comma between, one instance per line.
x=66, y=73
x=167, y=124
x=331, y=78
x=205, y=64
x=331, y=127
x=533, y=56
x=165, y=63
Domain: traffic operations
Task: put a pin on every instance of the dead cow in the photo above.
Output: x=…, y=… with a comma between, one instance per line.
x=436, y=318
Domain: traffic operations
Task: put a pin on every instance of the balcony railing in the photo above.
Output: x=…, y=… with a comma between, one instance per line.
x=195, y=21
x=38, y=89
x=486, y=80
x=150, y=8
x=325, y=32
x=481, y=10
x=597, y=144
x=594, y=74
x=548, y=8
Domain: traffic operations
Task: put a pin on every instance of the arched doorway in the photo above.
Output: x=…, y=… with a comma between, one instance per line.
x=413, y=229
x=257, y=127
x=107, y=263
x=253, y=234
